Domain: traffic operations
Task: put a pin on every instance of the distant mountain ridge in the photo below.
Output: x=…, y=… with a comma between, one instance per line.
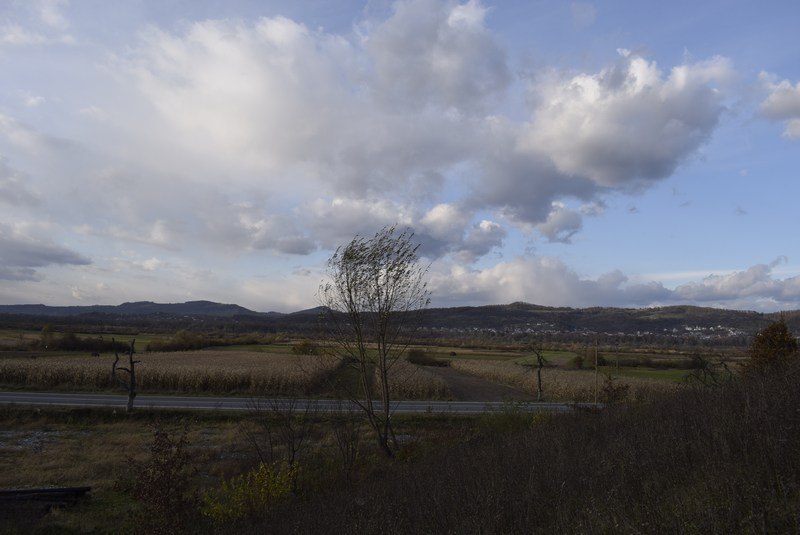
x=139, y=308
x=514, y=319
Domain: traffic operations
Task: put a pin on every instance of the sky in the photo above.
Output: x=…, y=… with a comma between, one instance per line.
x=607, y=153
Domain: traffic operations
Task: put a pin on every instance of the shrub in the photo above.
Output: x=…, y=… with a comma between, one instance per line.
x=422, y=358
x=576, y=362
x=306, y=347
x=161, y=484
x=182, y=340
x=773, y=346
x=247, y=494
x=613, y=391
x=513, y=417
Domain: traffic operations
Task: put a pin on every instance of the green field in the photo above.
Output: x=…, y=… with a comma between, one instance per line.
x=671, y=375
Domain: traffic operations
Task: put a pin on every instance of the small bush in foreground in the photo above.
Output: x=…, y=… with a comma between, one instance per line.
x=161, y=484
x=249, y=493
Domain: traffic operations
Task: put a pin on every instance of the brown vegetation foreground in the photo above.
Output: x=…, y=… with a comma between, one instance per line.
x=720, y=460
x=716, y=460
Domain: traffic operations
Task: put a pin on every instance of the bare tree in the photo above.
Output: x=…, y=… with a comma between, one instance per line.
x=282, y=428
x=541, y=362
x=373, y=300
x=128, y=384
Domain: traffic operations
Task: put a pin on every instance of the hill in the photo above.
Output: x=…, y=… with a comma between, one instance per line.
x=516, y=321
x=139, y=308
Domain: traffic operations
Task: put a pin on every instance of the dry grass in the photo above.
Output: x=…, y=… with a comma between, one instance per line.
x=53, y=454
x=559, y=384
x=409, y=381
x=217, y=372
x=78, y=448
x=716, y=461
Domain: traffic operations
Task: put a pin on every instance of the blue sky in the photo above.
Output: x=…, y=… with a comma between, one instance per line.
x=611, y=153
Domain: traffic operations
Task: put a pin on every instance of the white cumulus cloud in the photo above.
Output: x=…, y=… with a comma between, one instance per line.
x=628, y=124
x=437, y=53
x=782, y=104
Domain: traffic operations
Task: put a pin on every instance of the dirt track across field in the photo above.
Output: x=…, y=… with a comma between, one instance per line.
x=470, y=388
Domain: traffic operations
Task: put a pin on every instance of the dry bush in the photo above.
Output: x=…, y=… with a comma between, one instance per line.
x=559, y=384
x=422, y=358
x=409, y=381
x=161, y=484
x=216, y=372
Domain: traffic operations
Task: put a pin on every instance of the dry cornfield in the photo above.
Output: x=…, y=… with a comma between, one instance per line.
x=409, y=381
x=559, y=384
x=213, y=372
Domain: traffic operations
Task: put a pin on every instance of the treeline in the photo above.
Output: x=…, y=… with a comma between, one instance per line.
x=69, y=341
x=484, y=339
x=51, y=340
x=100, y=323
x=185, y=340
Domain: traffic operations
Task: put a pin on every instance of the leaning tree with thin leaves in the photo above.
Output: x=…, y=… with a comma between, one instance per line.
x=373, y=301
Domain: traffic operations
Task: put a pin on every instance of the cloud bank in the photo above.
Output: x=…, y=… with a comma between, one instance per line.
x=208, y=146
x=378, y=122
x=548, y=281
x=20, y=253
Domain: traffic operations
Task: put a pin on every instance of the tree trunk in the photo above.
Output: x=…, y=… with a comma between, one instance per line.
x=131, y=397
x=539, y=382
x=130, y=384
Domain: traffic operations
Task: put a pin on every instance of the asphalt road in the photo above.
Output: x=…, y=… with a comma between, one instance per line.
x=243, y=404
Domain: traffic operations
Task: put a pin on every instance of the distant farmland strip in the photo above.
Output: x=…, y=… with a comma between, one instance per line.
x=211, y=372
x=559, y=384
